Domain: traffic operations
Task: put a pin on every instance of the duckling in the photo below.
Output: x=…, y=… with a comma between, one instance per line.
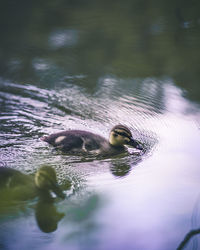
x=18, y=186
x=84, y=142
x=46, y=180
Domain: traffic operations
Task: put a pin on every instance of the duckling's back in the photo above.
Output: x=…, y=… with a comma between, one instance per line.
x=10, y=177
x=77, y=141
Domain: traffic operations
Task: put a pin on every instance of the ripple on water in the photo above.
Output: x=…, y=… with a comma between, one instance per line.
x=28, y=112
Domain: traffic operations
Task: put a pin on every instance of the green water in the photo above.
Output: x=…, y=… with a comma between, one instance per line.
x=91, y=65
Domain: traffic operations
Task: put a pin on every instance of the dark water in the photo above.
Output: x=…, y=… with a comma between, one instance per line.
x=91, y=65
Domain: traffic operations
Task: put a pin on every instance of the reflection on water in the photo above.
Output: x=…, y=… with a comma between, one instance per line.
x=47, y=216
x=187, y=238
x=139, y=182
x=63, y=38
x=162, y=127
x=92, y=65
x=16, y=188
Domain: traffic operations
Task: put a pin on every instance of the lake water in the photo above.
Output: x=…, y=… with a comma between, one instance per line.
x=91, y=65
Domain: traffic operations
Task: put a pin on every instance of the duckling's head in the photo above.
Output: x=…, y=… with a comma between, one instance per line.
x=45, y=180
x=120, y=135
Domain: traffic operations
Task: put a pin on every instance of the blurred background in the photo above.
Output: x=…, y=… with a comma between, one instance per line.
x=90, y=65
x=94, y=38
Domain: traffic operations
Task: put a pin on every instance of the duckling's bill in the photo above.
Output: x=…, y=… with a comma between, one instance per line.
x=134, y=144
x=57, y=190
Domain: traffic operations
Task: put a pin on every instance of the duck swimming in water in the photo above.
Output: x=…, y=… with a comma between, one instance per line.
x=18, y=186
x=84, y=142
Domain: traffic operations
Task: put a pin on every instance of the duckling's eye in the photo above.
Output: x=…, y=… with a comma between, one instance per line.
x=115, y=135
x=126, y=139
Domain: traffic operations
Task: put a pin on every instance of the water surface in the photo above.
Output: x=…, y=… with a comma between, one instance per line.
x=69, y=65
